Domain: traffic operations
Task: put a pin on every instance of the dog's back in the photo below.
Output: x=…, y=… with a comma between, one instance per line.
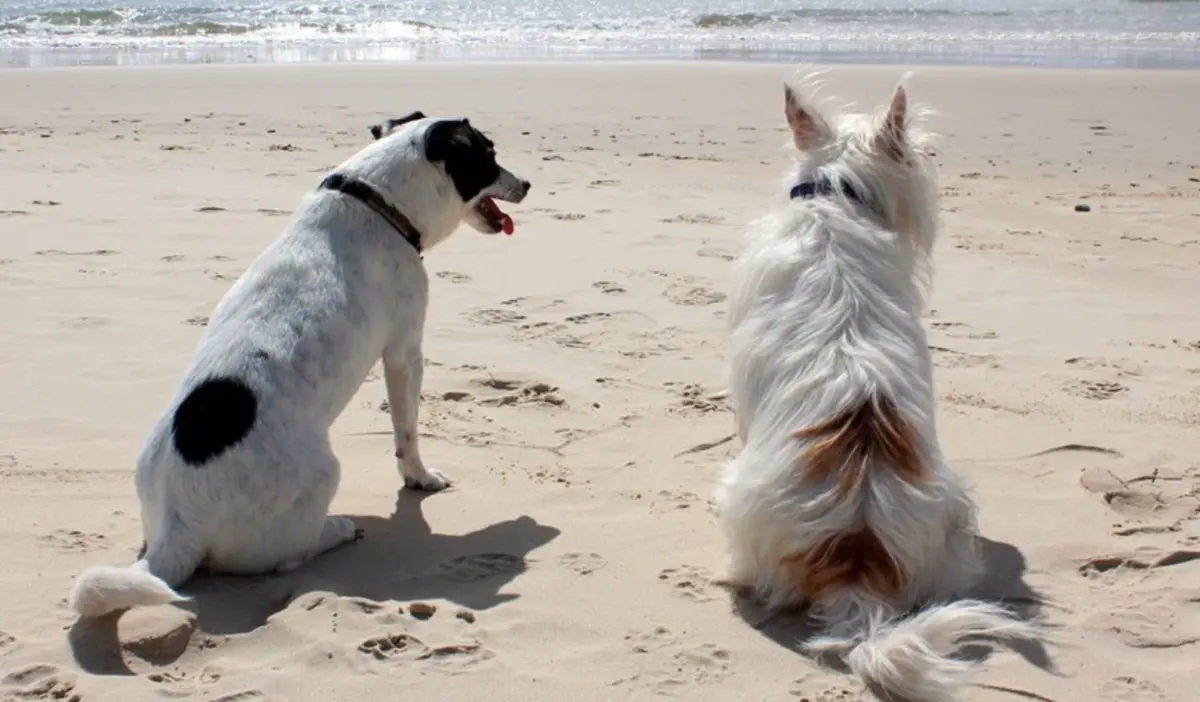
x=840, y=497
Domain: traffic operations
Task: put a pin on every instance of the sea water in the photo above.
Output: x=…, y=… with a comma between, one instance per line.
x=1066, y=33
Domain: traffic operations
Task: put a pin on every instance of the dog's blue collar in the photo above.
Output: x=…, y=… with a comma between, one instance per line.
x=807, y=190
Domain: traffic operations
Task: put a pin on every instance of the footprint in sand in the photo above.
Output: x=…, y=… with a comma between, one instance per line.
x=582, y=563
x=691, y=295
x=517, y=392
x=702, y=664
x=481, y=566
x=959, y=330
x=530, y=394
x=1158, y=620
x=960, y=399
x=817, y=688
x=674, y=499
x=689, y=582
x=608, y=288
x=494, y=317
x=401, y=647
x=695, y=399
x=668, y=665
x=1161, y=501
x=709, y=252
x=73, y=540
x=40, y=682
x=693, y=219
x=1122, y=368
x=8, y=643
x=1114, y=568
x=587, y=317
x=536, y=330
x=1130, y=689
x=392, y=646
x=60, y=252
x=949, y=358
x=1094, y=389
x=453, y=277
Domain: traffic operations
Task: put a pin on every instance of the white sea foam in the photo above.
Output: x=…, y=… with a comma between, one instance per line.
x=1055, y=32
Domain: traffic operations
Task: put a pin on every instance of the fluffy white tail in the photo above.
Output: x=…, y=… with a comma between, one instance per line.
x=106, y=589
x=907, y=659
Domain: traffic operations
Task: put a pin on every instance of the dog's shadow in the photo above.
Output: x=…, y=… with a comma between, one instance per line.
x=1003, y=582
x=399, y=558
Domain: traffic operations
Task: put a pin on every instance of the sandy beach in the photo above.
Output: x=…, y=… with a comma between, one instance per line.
x=570, y=374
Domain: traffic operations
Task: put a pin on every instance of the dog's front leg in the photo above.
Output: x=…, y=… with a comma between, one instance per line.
x=403, y=374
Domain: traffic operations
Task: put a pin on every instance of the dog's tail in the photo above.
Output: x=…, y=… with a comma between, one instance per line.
x=908, y=659
x=149, y=581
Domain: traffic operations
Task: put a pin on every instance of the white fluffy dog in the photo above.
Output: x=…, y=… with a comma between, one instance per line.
x=238, y=473
x=840, y=497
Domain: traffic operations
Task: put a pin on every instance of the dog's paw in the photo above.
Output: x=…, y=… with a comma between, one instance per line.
x=428, y=480
x=360, y=534
x=337, y=531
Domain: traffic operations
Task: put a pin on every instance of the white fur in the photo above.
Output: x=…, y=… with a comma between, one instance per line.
x=339, y=290
x=824, y=312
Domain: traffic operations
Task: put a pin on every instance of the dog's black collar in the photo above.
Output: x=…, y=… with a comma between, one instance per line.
x=371, y=198
x=823, y=186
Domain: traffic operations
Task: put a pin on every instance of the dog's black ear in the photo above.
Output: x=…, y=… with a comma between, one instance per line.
x=378, y=130
x=445, y=138
x=410, y=117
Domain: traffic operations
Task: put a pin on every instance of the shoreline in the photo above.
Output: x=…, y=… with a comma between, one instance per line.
x=1106, y=56
x=624, y=63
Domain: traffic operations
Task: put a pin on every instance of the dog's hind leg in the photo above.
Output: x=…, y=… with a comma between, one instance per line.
x=404, y=371
x=963, y=565
x=334, y=532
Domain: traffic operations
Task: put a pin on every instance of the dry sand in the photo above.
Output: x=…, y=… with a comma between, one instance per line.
x=570, y=364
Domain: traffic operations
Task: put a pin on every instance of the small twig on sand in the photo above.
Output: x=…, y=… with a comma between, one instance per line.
x=1080, y=448
x=706, y=445
x=1014, y=691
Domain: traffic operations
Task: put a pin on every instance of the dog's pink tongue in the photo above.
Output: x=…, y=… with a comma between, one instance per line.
x=506, y=224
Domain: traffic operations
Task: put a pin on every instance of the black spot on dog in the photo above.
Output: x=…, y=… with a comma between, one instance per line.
x=216, y=415
x=379, y=130
x=468, y=156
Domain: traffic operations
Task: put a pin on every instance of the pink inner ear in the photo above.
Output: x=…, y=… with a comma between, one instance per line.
x=898, y=113
x=804, y=129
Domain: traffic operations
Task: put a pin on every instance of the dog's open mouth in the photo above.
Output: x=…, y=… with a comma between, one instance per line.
x=496, y=219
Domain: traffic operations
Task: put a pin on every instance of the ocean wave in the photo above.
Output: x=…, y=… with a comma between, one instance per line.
x=833, y=14
x=82, y=24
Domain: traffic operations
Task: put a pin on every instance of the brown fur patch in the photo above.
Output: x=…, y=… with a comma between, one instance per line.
x=871, y=433
x=858, y=558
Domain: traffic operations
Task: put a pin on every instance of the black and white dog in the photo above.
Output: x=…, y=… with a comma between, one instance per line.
x=238, y=473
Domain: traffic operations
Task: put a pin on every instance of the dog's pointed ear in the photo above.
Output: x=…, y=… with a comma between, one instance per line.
x=376, y=131
x=808, y=129
x=893, y=130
